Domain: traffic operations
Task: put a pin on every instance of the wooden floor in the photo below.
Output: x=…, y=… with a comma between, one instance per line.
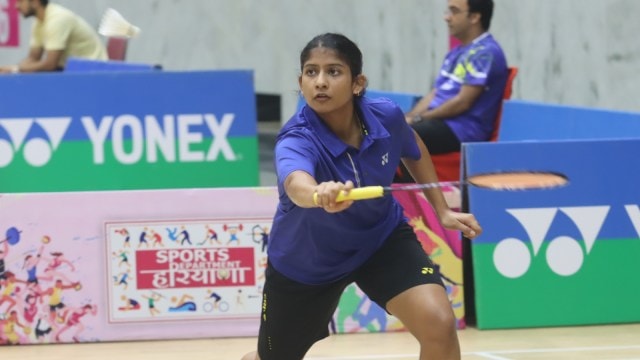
x=616, y=342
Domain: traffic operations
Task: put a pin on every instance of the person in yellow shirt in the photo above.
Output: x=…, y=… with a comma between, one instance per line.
x=9, y=329
x=57, y=34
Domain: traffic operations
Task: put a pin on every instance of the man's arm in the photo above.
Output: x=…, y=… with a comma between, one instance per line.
x=421, y=106
x=35, y=61
x=456, y=105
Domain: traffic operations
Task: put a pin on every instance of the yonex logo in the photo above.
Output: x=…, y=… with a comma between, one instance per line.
x=174, y=138
x=37, y=151
x=385, y=159
x=564, y=254
x=427, y=270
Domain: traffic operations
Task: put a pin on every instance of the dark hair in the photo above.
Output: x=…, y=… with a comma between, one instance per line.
x=345, y=49
x=44, y=3
x=485, y=9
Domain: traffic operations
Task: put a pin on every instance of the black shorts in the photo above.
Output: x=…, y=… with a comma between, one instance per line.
x=437, y=136
x=295, y=315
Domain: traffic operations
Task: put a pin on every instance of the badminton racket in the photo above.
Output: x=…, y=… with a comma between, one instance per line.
x=503, y=181
x=113, y=24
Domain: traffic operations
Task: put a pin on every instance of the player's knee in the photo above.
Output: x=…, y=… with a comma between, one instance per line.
x=449, y=323
x=438, y=326
x=447, y=320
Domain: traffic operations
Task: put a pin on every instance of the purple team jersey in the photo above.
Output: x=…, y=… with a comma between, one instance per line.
x=480, y=63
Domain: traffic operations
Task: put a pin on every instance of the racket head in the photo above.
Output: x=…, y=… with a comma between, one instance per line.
x=518, y=180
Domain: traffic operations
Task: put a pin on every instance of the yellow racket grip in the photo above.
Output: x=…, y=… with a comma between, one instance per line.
x=363, y=193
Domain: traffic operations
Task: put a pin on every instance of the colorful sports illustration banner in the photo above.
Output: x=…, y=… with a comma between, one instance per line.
x=128, y=130
x=112, y=265
x=543, y=251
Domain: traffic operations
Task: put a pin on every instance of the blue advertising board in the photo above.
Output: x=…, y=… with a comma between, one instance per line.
x=563, y=256
x=127, y=130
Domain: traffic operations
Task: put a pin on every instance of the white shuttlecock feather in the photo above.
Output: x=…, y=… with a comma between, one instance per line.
x=115, y=25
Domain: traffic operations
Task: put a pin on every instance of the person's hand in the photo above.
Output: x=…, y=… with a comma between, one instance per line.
x=9, y=69
x=327, y=192
x=412, y=119
x=464, y=222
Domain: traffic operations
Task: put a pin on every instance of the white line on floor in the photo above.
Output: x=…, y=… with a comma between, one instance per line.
x=493, y=354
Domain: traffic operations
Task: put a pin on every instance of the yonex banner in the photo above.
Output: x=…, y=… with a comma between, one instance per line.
x=127, y=130
x=566, y=256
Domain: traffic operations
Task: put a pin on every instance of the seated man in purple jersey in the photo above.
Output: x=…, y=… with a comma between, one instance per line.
x=467, y=94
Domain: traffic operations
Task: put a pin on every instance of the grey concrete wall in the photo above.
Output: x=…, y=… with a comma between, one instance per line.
x=572, y=52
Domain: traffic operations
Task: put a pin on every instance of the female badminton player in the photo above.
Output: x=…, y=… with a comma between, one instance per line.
x=318, y=245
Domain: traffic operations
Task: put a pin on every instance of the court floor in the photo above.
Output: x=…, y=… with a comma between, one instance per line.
x=614, y=342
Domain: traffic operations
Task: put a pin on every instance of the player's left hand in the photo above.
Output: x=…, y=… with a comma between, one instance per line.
x=464, y=222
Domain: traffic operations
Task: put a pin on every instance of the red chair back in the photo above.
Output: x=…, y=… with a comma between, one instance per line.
x=117, y=48
x=506, y=95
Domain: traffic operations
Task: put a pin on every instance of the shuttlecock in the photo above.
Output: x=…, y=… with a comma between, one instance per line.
x=115, y=25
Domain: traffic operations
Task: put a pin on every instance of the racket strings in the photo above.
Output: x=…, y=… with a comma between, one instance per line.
x=522, y=180
x=518, y=181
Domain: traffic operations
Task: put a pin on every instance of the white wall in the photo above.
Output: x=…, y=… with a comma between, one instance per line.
x=573, y=52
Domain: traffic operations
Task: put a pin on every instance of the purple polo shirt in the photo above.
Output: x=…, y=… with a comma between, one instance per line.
x=312, y=246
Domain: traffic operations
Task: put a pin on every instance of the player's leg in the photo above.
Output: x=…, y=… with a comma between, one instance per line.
x=401, y=278
x=294, y=316
x=426, y=312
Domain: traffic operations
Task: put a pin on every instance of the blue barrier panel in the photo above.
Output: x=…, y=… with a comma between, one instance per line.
x=535, y=121
x=127, y=130
x=566, y=256
x=85, y=65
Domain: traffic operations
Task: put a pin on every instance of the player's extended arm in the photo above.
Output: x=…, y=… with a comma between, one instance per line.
x=423, y=171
